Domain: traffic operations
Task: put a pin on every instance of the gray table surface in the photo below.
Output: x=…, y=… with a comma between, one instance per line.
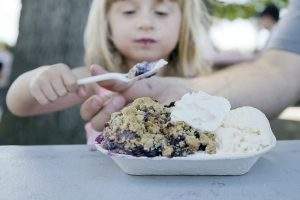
x=72, y=172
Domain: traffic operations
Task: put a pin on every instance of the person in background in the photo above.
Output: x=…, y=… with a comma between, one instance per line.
x=269, y=17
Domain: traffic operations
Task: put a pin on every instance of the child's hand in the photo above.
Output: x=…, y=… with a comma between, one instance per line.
x=52, y=82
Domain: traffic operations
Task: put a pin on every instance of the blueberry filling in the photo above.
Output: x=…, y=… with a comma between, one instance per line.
x=179, y=151
x=137, y=151
x=127, y=135
x=153, y=153
x=202, y=147
x=99, y=139
x=177, y=140
x=106, y=125
x=109, y=145
x=172, y=104
x=143, y=68
x=146, y=116
x=197, y=134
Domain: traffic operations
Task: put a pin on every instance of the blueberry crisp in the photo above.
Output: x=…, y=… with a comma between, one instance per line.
x=144, y=129
x=141, y=68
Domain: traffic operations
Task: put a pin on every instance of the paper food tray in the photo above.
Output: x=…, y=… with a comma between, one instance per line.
x=196, y=164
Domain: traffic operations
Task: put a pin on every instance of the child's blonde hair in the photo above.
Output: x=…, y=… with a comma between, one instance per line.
x=185, y=60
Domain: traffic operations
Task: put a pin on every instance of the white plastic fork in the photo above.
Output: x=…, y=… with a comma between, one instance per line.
x=123, y=77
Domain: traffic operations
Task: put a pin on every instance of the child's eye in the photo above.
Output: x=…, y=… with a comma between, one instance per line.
x=161, y=13
x=129, y=12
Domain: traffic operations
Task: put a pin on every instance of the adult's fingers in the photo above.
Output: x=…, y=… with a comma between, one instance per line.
x=92, y=106
x=97, y=70
x=115, y=104
x=81, y=92
x=91, y=136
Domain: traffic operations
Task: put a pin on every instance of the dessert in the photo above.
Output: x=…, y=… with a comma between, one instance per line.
x=144, y=128
x=146, y=69
x=244, y=130
x=197, y=123
x=201, y=111
x=140, y=68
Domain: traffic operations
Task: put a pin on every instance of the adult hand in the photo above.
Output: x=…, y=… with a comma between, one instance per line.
x=98, y=108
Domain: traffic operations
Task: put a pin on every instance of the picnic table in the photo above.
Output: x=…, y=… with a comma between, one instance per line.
x=73, y=172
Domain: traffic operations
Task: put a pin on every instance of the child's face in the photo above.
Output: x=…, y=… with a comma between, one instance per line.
x=145, y=30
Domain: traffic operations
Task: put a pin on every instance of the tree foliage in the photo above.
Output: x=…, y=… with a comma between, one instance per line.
x=233, y=11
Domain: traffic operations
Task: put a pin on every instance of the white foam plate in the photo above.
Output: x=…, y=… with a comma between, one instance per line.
x=196, y=164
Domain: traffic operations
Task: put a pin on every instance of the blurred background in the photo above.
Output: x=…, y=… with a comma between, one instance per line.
x=35, y=33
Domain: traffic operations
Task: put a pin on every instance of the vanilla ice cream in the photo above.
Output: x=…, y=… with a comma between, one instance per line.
x=201, y=111
x=244, y=130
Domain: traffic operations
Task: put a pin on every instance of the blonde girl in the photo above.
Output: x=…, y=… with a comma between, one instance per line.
x=119, y=34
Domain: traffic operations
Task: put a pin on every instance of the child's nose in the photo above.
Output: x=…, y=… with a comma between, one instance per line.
x=146, y=27
x=146, y=23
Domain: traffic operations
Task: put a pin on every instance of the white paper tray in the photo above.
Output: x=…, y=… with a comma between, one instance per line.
x=196, y=164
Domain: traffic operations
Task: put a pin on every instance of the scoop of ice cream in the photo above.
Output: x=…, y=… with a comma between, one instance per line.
x=201, y=111
x=244, y=130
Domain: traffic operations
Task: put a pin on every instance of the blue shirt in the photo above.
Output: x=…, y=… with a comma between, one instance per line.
x=286, y=35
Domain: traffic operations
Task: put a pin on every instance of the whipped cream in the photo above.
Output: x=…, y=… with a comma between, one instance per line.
x=244, y=130
x=201, y=111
